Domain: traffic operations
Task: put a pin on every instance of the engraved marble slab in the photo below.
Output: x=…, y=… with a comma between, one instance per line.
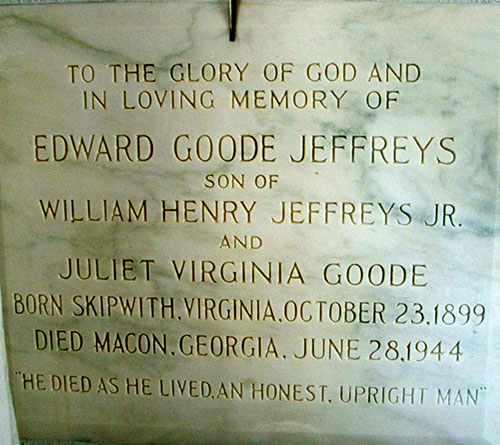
x=287, y=238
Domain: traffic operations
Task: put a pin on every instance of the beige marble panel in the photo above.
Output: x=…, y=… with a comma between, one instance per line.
x=356, y=315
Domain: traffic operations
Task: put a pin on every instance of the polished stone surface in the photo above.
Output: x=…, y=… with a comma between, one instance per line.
x=454, y=103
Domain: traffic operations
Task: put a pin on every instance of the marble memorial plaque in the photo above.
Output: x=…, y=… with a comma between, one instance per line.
x=286, y=238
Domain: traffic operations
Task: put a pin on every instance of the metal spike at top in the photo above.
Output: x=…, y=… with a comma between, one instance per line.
x=233, y=11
